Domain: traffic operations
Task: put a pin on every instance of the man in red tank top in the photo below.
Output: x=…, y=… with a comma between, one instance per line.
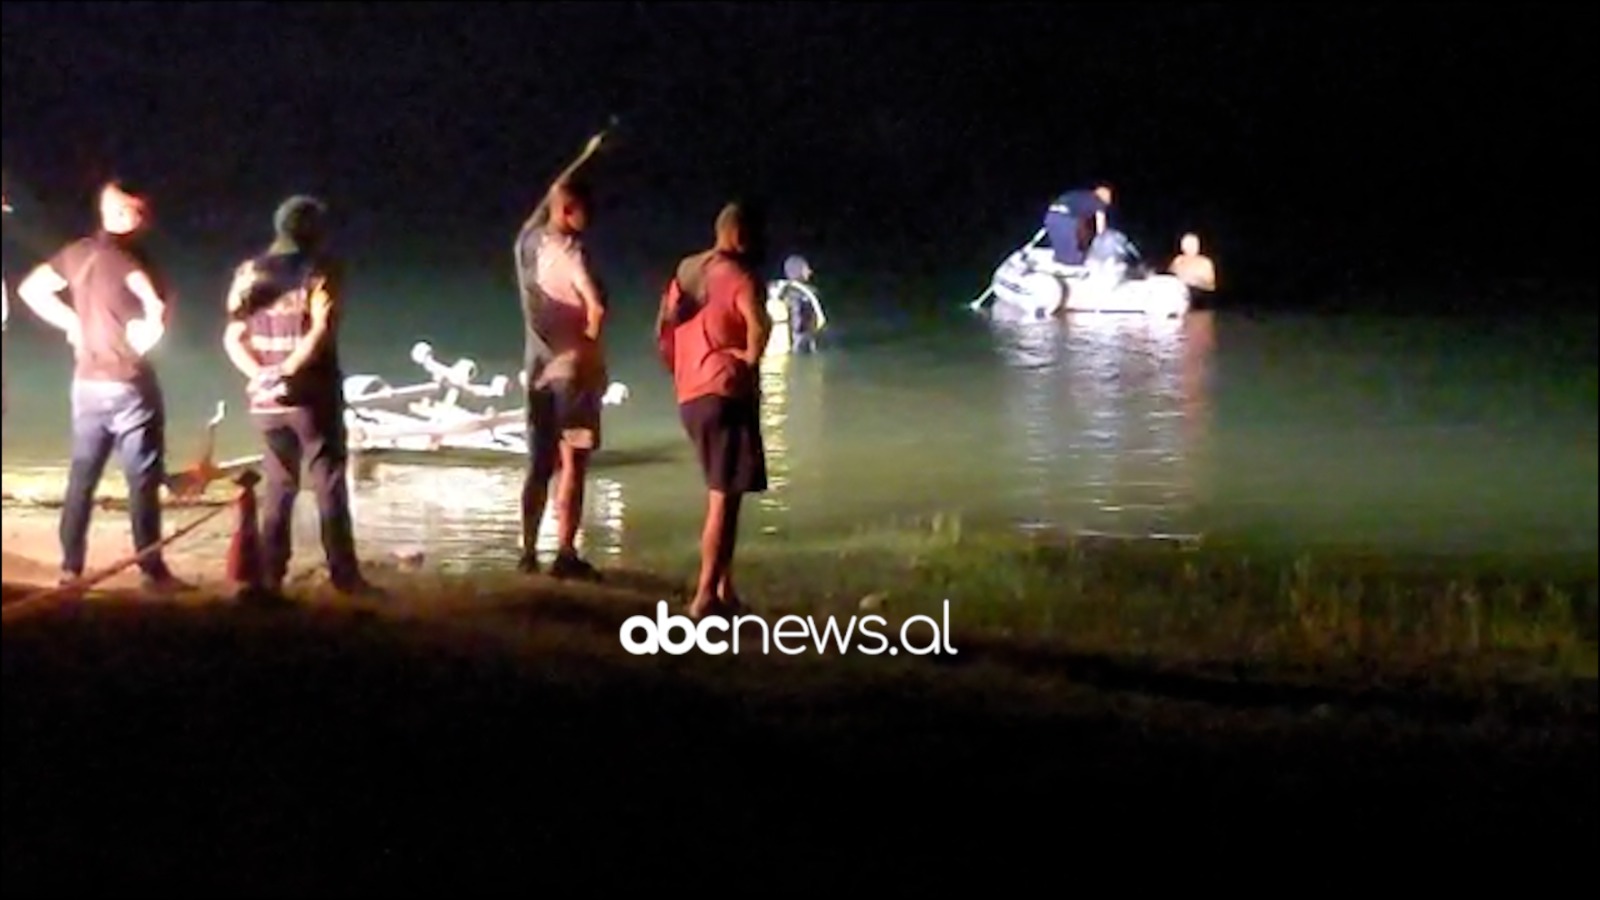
x=714, y=328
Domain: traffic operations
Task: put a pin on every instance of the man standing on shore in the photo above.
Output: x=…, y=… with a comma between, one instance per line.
x=564, y=364
x=713, y=327
x=118, y=313
x=284, y=308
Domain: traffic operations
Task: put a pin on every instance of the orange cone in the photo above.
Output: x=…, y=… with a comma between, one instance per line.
x=244, y=551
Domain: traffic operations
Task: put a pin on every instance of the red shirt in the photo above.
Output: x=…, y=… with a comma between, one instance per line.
x=711, y=331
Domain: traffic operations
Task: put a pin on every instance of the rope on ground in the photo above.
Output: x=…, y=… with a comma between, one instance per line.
x=85, y=582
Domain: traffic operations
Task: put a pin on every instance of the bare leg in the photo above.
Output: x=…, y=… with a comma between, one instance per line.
x=726, y=594
x=535, y=493
x=569, y=512
x=717, y=541
x=569, y=496
x=543, y=459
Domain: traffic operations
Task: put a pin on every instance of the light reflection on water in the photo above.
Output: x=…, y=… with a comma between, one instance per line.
x=775, y=438
x=792, y=420
x=1110, y=412
x=462, y=516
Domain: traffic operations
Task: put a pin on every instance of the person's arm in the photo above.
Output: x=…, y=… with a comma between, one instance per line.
x=594, y=300
x=536, y=222
x=145, y=333
x=522, y=253
x=41, y=291
x=1208, y=275
x=757, y=323
x=667, y=315
x=236, y=337
x=235, y=341
x=539, y=218
x=155, y=308
x=816, y=306
x=324, y=321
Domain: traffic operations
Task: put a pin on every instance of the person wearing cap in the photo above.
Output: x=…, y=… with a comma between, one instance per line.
x=117, y=315
x=282, y=334
x=712, y=330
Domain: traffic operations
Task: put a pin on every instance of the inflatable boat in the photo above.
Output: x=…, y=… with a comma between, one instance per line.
x=1032, y=284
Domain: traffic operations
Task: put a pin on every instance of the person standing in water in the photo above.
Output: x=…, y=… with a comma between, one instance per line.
x=713, y=329
x=118, y=314
x=563, y=309
x=1192, y=267
x=801, y=307
x=284, y=308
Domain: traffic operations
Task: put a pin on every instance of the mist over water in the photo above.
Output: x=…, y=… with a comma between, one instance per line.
x=1376, y=430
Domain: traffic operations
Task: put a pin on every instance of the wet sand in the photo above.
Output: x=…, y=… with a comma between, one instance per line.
x=473, y=736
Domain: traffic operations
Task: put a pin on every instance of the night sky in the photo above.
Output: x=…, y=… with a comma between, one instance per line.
x=1308, y=144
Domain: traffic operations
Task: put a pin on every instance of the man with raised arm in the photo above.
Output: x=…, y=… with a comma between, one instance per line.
x=564, y=368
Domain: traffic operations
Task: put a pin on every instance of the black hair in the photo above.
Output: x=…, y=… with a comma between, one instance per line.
x=130, y=186
x=301, y=219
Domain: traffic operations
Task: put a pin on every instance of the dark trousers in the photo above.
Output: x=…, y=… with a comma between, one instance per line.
x=129, y=419
x=312, y=437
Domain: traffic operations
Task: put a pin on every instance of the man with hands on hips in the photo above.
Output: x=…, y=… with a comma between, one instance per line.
x=118, y=314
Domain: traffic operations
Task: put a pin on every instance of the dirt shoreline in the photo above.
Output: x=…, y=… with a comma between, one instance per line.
x=473, y=735
x=32, y=547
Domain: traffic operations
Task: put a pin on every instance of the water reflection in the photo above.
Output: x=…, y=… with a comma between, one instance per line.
x=1110, y=414
x=466, y=516
x=775, y=437
x=791, y=428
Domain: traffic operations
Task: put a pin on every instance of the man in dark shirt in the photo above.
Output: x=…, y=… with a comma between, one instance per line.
x=283, y=308
x=117, y=314
x=1075, y=219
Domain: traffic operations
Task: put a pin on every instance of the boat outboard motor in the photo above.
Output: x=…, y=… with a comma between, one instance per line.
x=1112, y=253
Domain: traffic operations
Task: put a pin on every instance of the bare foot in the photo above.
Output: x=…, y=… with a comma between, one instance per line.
x=702, y=607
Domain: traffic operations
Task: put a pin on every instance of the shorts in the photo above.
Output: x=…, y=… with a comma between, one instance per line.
x=726, y=434
x=561, y=413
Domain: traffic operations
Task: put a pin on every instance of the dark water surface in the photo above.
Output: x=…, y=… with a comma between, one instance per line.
x=1427, y=433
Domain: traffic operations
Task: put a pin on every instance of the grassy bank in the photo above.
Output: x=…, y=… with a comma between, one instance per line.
x=1350, y=613
x=478, y=734
x=1326, y=615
